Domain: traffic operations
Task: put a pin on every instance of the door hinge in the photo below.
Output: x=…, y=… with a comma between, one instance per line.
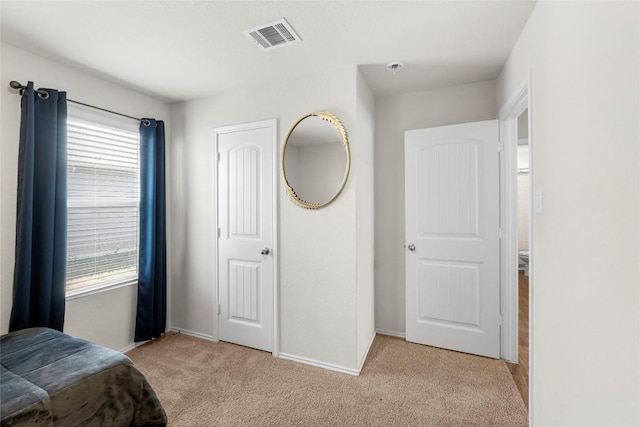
x=218, y=231
x=499, y=233
x=499, y=320
x=218, y=156
x=500, y=146
x=219, y=308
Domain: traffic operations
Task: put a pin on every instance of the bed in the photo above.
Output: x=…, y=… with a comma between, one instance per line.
x=49, y=378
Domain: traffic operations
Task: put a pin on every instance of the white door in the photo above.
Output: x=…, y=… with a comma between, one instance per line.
x=452, y=236
x=246, y=234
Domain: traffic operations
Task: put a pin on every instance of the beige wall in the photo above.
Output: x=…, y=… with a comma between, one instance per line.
x=524, y=198
x=524, y=195
x=523, y=125
x=584, y=62
x=393, y=115
x=108, y=317
x=317, y=248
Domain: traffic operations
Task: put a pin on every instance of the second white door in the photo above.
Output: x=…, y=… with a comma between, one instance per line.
x=246, y=234
x=452, y=232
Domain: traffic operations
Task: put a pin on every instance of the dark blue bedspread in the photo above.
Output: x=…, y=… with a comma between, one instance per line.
x=49, y=378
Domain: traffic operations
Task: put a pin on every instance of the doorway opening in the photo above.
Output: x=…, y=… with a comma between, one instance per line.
x=517, y=245
x=520, y=370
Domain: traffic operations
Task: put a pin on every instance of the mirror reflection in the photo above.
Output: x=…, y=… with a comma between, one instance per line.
x=316, y=160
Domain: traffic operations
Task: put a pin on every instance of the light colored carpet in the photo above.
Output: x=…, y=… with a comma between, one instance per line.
x=201, y=383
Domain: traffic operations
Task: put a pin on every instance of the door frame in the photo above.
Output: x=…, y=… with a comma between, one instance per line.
x=273, y=124
x=518, y=102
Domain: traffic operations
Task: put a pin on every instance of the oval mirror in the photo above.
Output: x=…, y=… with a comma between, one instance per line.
x=316, y=160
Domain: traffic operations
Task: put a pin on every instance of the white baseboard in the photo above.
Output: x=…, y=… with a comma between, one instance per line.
x=318, y=364
x=193, y=334
x=391, y=333
x=131, y=346
x=174, y=329
x=366, y=353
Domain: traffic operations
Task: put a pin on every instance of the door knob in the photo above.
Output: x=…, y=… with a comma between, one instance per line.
x=411, y=247
x=265, y=251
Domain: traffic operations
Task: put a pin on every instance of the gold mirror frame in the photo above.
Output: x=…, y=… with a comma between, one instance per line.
x=331, y=118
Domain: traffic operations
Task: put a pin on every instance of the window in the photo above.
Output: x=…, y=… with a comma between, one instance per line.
x=103, y=192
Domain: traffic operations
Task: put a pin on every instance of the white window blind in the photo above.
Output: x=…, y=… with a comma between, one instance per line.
x=103, y=188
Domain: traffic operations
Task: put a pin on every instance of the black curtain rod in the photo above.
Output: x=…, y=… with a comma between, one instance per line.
x=16, y=85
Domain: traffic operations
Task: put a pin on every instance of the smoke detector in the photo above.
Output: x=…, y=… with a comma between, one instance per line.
x=274, y=34
x=394, y=66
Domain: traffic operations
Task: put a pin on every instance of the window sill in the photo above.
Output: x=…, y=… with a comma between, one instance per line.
x=81, y=293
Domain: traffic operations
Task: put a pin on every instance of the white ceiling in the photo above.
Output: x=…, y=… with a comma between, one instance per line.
x=179, y=50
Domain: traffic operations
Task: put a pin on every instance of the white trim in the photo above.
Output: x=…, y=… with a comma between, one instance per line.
x=508, y=118
x=193, y=334
x=85, y=292
x=132, y=346
x=391, y=333
x=273, y=124
x=318, y=364
x=171, y=329
x=366, y=353
x=531, y=241
x=520, y=100
x=276, y=247
x=215, y=236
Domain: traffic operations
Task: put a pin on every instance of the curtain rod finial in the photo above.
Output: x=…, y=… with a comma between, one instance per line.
x=15, y=85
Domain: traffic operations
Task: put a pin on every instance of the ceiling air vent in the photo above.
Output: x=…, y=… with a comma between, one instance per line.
x=274, y=34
